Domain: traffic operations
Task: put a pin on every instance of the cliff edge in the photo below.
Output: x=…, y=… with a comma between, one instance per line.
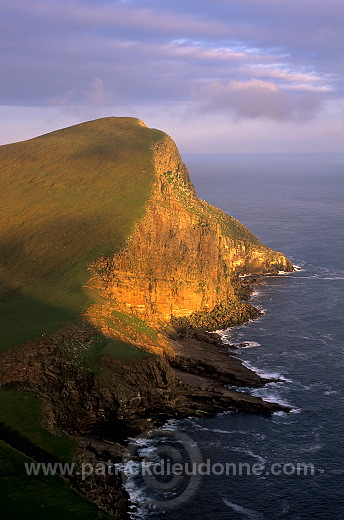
x=182, y=260
x=111, y=270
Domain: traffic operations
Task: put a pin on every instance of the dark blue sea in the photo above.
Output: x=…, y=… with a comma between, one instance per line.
x=294, y=204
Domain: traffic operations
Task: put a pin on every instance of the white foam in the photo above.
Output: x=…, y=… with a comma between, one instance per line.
x=138, y=503
x=251, y=454
x=320, y=277
x=333, y=278
x=216, y=430
x=286, y=414
x=261, y=309
x=266, y=375
x=280, y=414
x=309, y=387
x=177, y=424
x=279, y=273
x=223, y=335
x=251, y=514
x=269, y=397
x=249, y=344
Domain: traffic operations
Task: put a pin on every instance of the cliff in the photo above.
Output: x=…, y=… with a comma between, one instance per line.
x=183, y=257
x=111, y=269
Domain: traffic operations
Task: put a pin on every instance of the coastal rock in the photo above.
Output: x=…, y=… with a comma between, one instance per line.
x=113, y=275
x=184, y=255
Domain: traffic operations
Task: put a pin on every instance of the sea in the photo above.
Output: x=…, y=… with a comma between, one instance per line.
x=286, y=466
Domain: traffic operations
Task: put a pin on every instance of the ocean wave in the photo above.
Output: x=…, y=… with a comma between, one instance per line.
x=248, y=344
x=218, y=430
x=320, y=277
x=266, y=375
x=178, y=424
x=251, y=514
x=333, y=278
x=138, y=504
x=321, y=273
x=261, y=309
x=270, y=397
x=280, y=414
x=223, y=333
x=250, y=454
x=287, y=414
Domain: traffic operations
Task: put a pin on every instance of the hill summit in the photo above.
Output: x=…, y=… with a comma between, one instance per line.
x=114, y=196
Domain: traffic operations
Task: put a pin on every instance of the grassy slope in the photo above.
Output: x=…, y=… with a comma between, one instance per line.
x=68, y=197
x=18, y=426
x=38, y=497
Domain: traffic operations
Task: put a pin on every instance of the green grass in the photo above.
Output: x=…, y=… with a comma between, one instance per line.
x=102, y=346
x=68, y=197
x=88, y=355
x=20, y=423
x=24, y=497
x=135, y=323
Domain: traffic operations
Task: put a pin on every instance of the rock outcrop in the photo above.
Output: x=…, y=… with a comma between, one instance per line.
x=184, y=255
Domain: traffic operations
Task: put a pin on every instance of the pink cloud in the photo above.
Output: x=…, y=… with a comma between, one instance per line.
x=256, y=98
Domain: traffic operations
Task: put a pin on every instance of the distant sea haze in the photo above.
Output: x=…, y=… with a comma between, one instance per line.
x=293, y=204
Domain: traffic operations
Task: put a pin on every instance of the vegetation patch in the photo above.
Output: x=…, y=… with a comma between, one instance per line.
x=38, y=497
x=84, y=347
x=103, y=346
x=222, y=316
x=21, y=424
x=137, y=324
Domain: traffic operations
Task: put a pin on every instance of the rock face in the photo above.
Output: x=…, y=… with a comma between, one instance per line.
x=184, y=255
x=163, y=267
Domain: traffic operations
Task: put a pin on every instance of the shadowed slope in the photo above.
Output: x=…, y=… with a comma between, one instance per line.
x=68, y=197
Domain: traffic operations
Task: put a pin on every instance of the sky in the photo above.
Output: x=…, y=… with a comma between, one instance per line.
x=219, y=76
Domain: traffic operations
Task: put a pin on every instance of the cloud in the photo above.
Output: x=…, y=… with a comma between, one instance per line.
x=263, y=61
x=155, y=20
x=92, y=101
x=256, y=98
x=97, y=94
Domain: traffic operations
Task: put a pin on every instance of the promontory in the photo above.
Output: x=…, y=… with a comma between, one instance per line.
x=112, y=274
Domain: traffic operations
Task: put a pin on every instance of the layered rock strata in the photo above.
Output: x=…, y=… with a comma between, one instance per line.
x=184, y=256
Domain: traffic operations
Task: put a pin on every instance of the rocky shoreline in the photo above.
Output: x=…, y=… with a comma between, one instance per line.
x=201, y=392
x=197, y=377
x=206, y=366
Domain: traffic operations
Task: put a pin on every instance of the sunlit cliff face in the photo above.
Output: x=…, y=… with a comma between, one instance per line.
x=183, y=254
